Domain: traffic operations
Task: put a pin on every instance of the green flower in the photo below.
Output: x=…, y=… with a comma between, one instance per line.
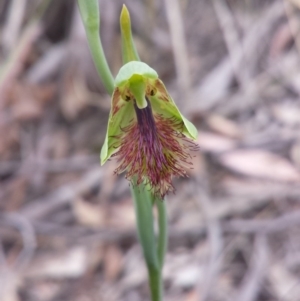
x=146, y=132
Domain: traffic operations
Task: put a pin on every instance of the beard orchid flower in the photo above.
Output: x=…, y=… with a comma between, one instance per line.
x=150, y=138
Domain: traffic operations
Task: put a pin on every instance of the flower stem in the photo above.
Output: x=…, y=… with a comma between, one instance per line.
x=162, y=240
x=90, y=15
x=145, y=227
x=155, y=284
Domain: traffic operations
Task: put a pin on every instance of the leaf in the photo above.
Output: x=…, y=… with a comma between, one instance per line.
x=113, y=262
x=215, y=143
x=224, y=126
x=71, y=264
x=262, y=164
x=88, y=214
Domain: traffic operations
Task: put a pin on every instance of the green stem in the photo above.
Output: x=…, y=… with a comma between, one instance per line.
x=89, y=10
x=155, y=284
x=144, y=220
x=162, y=240
x=145, y=227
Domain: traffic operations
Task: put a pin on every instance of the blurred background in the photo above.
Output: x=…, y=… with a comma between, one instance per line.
x=67, y=226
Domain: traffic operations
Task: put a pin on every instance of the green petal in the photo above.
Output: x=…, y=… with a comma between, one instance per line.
x=163, y=103
x=121, y=115
x=137, y=87
x=129, y=52
x=134, y=68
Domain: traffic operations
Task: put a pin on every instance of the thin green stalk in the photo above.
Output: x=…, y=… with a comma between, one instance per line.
x=89, y=10
x=145, y=228
x=155, y=284
x=144, y=220
x=162, y=240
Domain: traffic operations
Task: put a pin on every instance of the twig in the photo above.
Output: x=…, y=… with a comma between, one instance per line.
x=257, y=87
x=3, y=262
x=214, y=236
x=48, y=65
x=69, y=164
x=13, y=24
x=179, y=46
x=28, y=235
x=221, y=76
x=253, y=279
x=15, y=62
x=284, y=283
x=263, y=226
x=293, y=23
x=64, y=195
x=235, y=49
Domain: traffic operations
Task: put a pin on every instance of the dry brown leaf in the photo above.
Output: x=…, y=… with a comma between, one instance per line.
x=262, y=164
x=296, y=3
x=96, y=255
x=192, y=296
x=75, y=96
x=45, y=290
x=15, y=193
x=10, y=137
x=188, y=276
x=9, y=285
x=295, y=154
x=253, y=187
x=223, y=126
x=72, y=264
x=28, y=101
x=214, y=143
x=122, y=215
x=284, y=283
x=113, y=262
x=61, y=144
x=198, y=167
x=88, y=214
x=183, y=270
x=135, y=271
x=27, y=110
x=108, y=181
x=280, y=40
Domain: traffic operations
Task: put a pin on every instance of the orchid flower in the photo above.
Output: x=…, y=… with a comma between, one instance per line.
x=146, y=132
